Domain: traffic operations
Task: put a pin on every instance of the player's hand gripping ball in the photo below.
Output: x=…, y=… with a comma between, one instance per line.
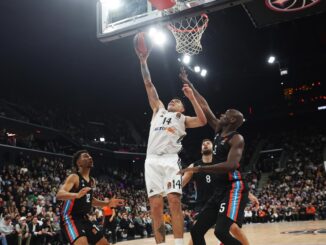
x=142, y=44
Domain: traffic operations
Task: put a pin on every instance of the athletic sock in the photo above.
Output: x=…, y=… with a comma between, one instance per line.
x=178, y=241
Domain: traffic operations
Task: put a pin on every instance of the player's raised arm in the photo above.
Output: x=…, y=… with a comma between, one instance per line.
x=64, y=191
x=211, y=118
x=200, y=119
x=231, y=164
x=153, y=98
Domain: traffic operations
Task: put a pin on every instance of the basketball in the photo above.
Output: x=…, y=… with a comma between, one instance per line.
x=162, y=4
x=142, y=44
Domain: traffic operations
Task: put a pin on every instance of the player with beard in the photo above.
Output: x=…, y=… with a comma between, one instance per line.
x=225, y=209
x=206, y=184
x=77, y=193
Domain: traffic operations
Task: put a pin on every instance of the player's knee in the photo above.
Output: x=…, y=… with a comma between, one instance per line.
x=156, y=205
x=196, y=232
x=221, y=232
x=174, y=201
x=103, y=241
x=235, y=229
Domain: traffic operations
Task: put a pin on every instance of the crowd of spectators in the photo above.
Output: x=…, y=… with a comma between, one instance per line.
x=298, y=190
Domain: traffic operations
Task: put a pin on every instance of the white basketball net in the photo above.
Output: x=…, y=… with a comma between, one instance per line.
x=187, y=31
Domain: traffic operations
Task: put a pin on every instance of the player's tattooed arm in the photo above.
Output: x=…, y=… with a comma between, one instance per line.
x=231, y=164
x=211, y=118
x=153, y=97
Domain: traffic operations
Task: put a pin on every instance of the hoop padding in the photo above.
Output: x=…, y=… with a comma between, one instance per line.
x=188, y=33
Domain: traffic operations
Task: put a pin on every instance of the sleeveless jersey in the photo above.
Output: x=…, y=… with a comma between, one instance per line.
x=205, y=184
x=221, y=151
x=166, y=133
x=78, y=207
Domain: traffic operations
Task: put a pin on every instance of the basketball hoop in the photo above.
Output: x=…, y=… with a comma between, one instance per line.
x=188, y=33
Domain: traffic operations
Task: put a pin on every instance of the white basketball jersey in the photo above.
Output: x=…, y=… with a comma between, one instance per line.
x=166, y=133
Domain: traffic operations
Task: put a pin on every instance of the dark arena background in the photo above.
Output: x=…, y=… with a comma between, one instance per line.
x=66, y=86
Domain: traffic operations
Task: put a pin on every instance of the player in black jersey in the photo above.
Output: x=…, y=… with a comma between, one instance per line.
x=78, y=199
x=206, y=184
x=225, y=209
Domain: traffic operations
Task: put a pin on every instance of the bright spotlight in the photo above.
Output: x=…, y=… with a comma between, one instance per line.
x=186, y=59
x=271, y=59
x=152, y=32
x=102, y=139
x=112, y=4
x=197, y=69
x=158, y=37
x=203, y=72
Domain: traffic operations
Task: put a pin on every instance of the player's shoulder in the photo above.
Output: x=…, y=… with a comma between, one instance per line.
x=73, y=179
x=73, y=176
x=237, y=138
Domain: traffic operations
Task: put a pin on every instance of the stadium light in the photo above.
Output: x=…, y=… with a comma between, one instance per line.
x=186, y=59
x=112, y=4
x=102, y=139
x=320, y=108
x=283, y=72
x=158, y=37
x=197, y=69
x=271, y=59
x=152, y=32
x=203, y=72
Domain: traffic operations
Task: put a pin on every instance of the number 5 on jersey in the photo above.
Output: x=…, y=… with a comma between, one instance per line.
x=222, y=207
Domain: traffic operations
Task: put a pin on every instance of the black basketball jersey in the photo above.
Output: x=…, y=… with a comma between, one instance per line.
x=82, y=206
x=206, y=184
x=221, y=150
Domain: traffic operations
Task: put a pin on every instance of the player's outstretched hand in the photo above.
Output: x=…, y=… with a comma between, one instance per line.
x=188, y=92
x=115, y=202
x=254, y=200
x=182, y=171
x=83, y=192
x=184, y=76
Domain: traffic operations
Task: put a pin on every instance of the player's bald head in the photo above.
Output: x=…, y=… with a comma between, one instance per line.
x=236, y=117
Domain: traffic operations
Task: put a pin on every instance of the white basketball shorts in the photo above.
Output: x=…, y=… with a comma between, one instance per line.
x=161, y=174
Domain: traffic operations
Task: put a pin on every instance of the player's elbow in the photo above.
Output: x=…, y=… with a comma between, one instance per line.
x=202, y=121
x=232, y=166
x=59, y=196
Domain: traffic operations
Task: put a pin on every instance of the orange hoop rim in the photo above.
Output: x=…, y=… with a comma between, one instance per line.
x=198, y=29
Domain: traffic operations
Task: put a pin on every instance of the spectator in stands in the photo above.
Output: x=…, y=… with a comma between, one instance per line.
x=310, y=212
x=140, y=226
x=248, y=216
x=109, y=224
x=6, y=230
x=36, y=230
x=167, y=222
x=24, y=236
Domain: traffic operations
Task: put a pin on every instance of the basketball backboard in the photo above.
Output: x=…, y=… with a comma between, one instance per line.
x=121, y=18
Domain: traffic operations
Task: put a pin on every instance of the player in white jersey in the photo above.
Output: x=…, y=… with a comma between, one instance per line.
x=162, y=161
